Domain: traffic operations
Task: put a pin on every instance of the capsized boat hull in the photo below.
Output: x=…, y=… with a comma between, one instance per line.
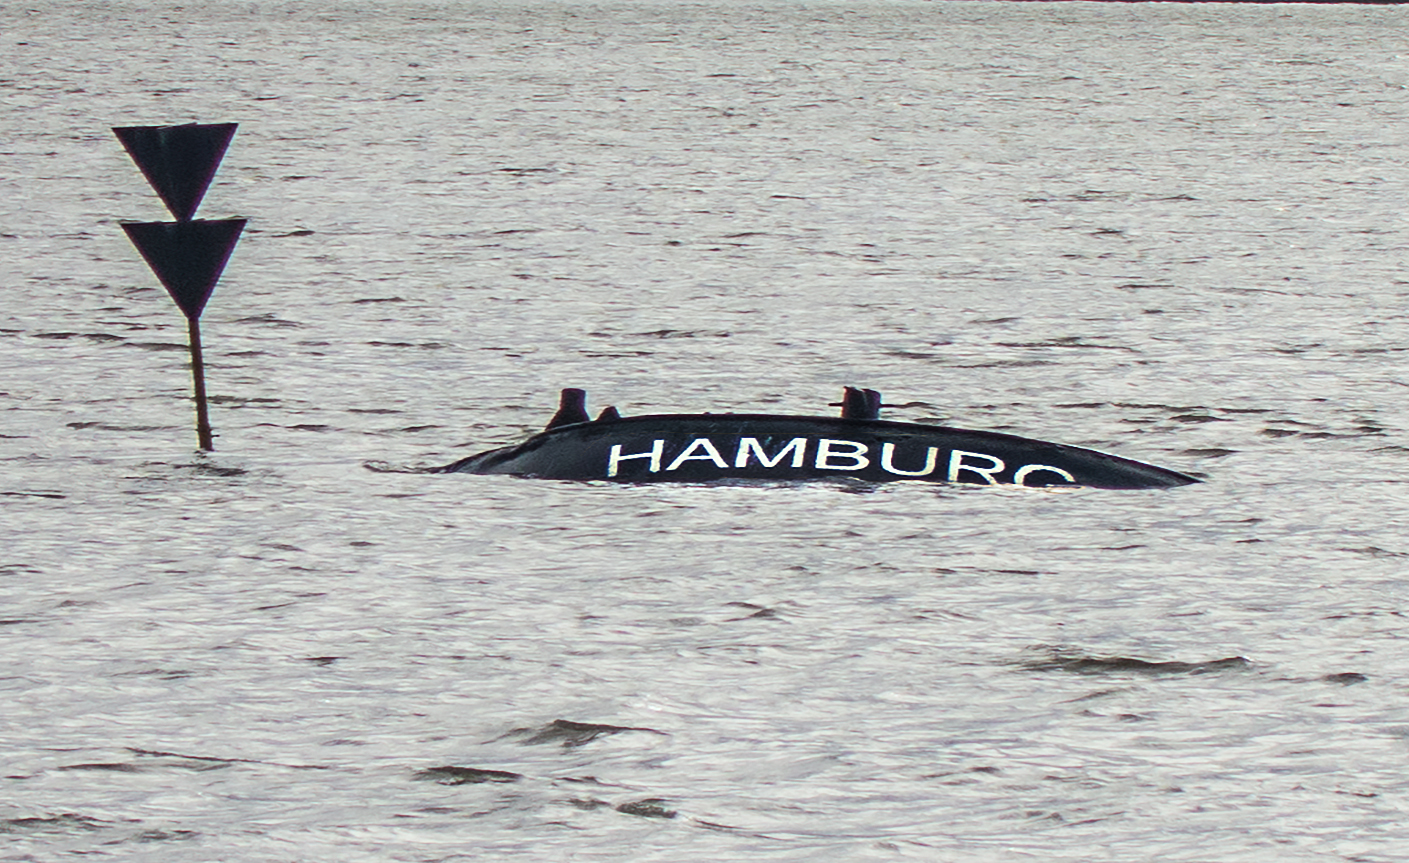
x=698, y=448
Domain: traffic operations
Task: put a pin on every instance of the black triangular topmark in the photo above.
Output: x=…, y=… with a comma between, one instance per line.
x=188, y=257
x=179, y=161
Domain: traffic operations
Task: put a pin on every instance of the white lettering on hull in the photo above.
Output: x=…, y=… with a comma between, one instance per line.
x=957, y=465
x=832, y=454
x=856, y=454
x=616, y=458
x=750, y=446
x=710, y=454
x=1021, y=474
x=888, y=461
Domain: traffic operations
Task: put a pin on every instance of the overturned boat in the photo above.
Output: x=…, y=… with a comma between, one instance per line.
x=858, y=445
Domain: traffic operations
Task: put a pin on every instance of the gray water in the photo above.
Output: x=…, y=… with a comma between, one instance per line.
x=1173, y=232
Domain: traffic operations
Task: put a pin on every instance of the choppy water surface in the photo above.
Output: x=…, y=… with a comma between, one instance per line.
x=1174, y=232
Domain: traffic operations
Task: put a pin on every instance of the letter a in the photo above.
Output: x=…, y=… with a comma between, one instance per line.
x=710, y=454
x=616, y=458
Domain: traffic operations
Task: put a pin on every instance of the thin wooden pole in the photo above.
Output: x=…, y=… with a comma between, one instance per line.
x=198, y=376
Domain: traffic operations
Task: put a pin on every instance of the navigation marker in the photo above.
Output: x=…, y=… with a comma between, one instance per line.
x=179, y=161
x=187, y=255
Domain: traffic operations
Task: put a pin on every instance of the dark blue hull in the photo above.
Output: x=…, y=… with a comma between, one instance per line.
x=696, y=448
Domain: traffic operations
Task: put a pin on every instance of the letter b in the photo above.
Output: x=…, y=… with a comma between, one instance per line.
x=826, y=452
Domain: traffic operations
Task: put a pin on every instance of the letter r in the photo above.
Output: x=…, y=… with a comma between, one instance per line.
x=957, y=465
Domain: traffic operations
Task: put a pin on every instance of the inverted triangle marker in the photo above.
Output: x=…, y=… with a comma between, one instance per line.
x=187, y=257
x=179, y=161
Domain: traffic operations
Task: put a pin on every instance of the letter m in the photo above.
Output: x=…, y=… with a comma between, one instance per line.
x=749, y=446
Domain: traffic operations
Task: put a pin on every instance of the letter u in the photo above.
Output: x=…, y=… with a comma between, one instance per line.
x=888, y=461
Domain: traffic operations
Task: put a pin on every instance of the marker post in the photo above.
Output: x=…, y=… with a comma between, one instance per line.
x=204, y=438
x=188, y=255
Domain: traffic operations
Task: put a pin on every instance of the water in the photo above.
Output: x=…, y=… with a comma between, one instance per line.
x=1174, y=232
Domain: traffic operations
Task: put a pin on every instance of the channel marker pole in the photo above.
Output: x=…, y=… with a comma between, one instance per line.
x=188, y=255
